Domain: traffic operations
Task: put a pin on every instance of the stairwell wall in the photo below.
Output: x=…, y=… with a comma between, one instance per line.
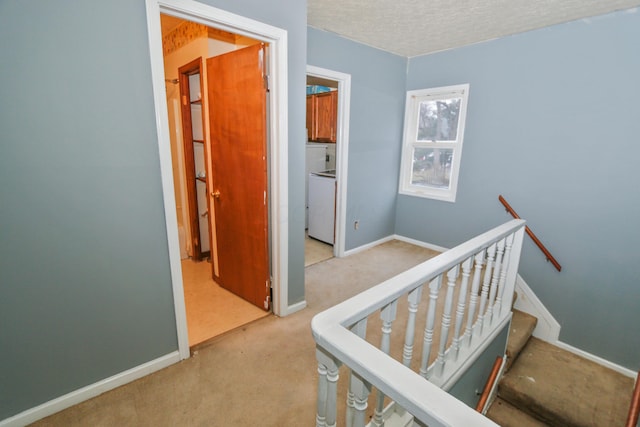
x=552, y=124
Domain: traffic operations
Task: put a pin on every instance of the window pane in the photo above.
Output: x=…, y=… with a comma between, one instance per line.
x=438, y=120
x=432, y=167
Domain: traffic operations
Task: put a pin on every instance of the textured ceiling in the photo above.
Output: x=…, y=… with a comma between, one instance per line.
x=417, y=27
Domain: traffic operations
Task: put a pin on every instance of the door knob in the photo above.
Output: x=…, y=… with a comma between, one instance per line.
x=215, y=194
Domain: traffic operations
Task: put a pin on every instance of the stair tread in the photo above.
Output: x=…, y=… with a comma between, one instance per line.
x=522, y=326
x=507, y=415
x=565, y=389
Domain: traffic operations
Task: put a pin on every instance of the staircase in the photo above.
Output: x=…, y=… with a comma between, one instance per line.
x=547, y=386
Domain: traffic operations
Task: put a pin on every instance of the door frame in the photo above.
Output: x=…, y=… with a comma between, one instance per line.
x=342, y=150
x=278, y=143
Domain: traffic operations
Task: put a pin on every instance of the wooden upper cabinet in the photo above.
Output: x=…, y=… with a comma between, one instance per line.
x=322, y=116
x=310, y=114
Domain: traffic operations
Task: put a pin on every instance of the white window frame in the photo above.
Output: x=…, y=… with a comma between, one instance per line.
x=410, y=142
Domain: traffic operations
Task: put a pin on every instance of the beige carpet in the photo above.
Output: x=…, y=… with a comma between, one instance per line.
x=262, y=374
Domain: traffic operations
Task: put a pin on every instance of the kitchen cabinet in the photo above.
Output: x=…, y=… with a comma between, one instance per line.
x=322, y=116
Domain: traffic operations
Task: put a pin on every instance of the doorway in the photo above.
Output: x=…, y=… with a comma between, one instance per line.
x=338, y=160
x=218, y=295
x=277, y=136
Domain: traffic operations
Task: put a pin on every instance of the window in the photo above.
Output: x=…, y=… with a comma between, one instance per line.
x=432, y=146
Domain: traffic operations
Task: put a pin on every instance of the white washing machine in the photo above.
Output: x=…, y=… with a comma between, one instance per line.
x=322, y=206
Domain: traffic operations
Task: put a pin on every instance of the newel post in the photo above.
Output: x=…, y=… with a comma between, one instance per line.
x=512, y=271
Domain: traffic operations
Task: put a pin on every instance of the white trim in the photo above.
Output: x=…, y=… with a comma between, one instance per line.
x=278, y=140
x=420, y=243
x=296, y=307
x=368, y=246
x=493, y=393
x=63, y=402
x=548, y=328
x=166, y=173
x=410, y=142
x=342, y=148
x=597, y=359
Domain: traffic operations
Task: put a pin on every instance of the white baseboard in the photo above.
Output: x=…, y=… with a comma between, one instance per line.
x=63, y=402
x=295, y=308
x=420, y=243
x=368, y=246
x=597, y=359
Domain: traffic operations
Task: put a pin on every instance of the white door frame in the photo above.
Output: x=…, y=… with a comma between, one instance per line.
x=278, y=142
x=342, y=150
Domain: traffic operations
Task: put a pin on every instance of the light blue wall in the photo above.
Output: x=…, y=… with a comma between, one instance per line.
x=375, y=130
x=552, y=124
x=85, y=290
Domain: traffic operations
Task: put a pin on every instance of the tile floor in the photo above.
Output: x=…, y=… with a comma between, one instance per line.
x=316, y=251
x=212, y=310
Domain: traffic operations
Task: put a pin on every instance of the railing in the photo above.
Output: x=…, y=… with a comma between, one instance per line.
x=490, y=385
x=634, y=407
x=535, y=239
x=480, y=276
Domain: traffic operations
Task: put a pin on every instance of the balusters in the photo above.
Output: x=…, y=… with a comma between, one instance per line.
x=407, y=350
x=361, y=390
x=434, y=288
x=321, y=405
x=503, y=274
x=494, y=281
x=387, y=315
x=462, y=299
x=473, y=299
x=354, y=399
x=491, y=253
x=327, y=389
x=452, y=275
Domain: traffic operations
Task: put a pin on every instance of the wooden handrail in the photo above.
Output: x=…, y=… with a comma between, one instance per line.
x=535, y=239
x=493, y=376
x=634, y=408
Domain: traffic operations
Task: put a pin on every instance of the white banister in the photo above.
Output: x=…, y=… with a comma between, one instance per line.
x=484, y=295
x=407, y=350
x=387, y=315
x=473, y=299
x=495, y=277
x=452, y=276
x=434, y=289
x=460, y=309
x=356, y=401
x=327, y=389
x=340, y=334
x=503, y=274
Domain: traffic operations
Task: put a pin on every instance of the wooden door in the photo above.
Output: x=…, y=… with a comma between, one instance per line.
x=237, y=118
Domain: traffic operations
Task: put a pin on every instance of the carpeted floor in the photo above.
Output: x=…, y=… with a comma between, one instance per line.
x=261, y=374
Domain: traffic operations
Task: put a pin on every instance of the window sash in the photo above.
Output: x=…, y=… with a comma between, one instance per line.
x=432, y=174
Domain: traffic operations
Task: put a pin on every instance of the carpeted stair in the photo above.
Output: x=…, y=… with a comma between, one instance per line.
x=547, y=386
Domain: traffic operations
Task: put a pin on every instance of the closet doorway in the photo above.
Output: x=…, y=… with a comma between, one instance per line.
x=214, y=303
